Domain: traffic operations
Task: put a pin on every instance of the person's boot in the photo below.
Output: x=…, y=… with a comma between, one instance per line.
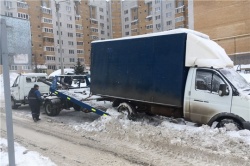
x=35, y=120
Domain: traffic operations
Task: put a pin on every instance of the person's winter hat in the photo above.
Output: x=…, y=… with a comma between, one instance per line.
x=35, y=86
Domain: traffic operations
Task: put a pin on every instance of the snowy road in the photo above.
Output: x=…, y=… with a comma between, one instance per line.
x=75, y=138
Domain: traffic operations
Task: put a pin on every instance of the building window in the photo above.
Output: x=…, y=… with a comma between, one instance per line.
x=70, y=34
x=157, y=17
x=94, y=37
x=69, y=18
x=47, y=48
x=180, y=3
x=61, y=42
x=180, y=9
x=71, y=51
x=157, y=26
x=126, y=33
x=8, y=4
x=80, y=43
x=59, y=50
x=46, y=20
x=77, y=18
x=94, y=22
x=68, y=8
x=134, y=30
x=50, y=58
x=149, y=26
x=26, y=67
x=157, y=9
x=13, y=67
x=58, y=33
x=126, y=19
x=51, y=67
x=126, y=12
x=47, y=30
x=101, y=17
x=9, y=14
x=169, y=14
x=23, y=16
x=102, y=25
x=168, y=6
x=69, y=26
x=23, y=5
x=46, y=10
x=79, y=51
x=157, y=1
x=101, y=9
x=94, y=29
x=71, y=59
x=71, y=43
x=169, y=22
x=179, y=19
x=102, y=32
x=79, y=35
x=126, y=26
x=79, y=27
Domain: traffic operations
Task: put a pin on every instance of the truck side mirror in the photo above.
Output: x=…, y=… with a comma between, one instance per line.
x=223, y=90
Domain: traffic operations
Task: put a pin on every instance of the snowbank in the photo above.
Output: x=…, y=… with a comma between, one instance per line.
x=58, y=72
x=158, y=133
x=23, y=156
x=246, y=76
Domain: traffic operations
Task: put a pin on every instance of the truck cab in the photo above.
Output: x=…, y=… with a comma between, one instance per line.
x=22, y=85
x=217, y=95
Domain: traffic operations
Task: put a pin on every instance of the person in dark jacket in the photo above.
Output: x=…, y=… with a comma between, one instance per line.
x=35, y=101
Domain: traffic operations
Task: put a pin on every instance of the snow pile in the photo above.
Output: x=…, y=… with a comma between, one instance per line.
x=13, y=77
x=158, y=133
x=23, y=156
x=58, y=72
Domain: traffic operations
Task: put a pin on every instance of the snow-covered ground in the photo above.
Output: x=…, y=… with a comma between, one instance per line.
x=23, y=156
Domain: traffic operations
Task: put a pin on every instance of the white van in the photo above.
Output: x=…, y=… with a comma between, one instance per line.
x=22, y=85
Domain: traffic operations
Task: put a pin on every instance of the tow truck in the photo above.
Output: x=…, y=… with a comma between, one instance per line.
x=64, y=96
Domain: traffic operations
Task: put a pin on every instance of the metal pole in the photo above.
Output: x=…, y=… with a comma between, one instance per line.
x=6, y=78
x=59, y=32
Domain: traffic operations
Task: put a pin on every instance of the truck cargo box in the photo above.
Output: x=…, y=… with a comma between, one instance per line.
x=149, y=69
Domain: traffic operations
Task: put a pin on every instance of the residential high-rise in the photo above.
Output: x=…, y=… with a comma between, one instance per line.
x=227, y=23
x=100, y=20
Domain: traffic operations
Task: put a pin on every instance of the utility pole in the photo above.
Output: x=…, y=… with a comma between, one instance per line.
x=6, y=79
x=57, y=3
x=59, y=32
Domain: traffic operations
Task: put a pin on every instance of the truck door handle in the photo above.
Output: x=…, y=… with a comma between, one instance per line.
x=198, y=100
x=201, y=101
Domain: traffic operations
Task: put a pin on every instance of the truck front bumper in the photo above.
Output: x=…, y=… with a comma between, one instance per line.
x=246, y=125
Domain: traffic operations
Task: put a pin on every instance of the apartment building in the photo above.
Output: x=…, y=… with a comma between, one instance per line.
x=148, y=16
x=227, y=23
x=96, y=24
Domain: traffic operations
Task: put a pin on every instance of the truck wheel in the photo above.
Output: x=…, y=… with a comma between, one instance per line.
x=13, y=104
x=129, y=109
x=229, y=124
x=50, y=110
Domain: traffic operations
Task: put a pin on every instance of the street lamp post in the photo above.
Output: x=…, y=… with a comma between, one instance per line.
x=57, y=3
x=59, y=32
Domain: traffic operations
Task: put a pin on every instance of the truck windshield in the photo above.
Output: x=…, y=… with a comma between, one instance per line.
x=236, y=79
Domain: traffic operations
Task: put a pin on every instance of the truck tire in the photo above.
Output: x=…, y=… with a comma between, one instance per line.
x=129, y=109
x=13, y=104
x=223, y=122
x=50, y=109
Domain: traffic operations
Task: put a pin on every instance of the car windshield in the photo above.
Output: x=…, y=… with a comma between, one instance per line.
x=236, y=79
